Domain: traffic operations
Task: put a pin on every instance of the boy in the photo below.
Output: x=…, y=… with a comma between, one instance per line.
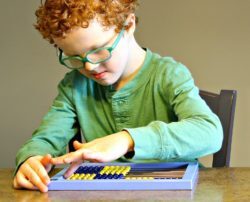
x=132, y=104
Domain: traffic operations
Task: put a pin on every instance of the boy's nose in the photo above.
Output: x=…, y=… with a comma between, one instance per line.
x=90, y=66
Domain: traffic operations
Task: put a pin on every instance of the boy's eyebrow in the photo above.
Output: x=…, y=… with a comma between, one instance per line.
x=96, y=47
x=103, y=45
x=91, y=48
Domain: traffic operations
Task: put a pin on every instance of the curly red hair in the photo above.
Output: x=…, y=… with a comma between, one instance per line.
x=55, y=18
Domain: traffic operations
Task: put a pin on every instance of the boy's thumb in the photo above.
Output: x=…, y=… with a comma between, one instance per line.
x=77, y=145
x=46, y=159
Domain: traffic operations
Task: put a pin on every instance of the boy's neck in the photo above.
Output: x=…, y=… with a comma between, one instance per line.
x=135, y=62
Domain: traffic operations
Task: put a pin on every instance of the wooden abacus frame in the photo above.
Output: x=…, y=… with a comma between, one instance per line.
x=143, y=176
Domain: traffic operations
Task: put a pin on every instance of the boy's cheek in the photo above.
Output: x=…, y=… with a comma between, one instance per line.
x=81, y=71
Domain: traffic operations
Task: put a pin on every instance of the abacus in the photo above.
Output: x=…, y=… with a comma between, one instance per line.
x=129, y=176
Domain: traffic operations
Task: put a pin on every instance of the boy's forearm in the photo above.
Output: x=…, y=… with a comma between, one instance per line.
x=128, y=139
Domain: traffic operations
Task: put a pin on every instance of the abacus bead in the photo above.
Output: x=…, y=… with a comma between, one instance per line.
x=79, y=169
x=98, y=176
x=103, y=176
x=120, y=176
x=109, y=176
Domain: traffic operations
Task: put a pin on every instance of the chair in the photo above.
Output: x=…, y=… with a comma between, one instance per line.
x=223, y=105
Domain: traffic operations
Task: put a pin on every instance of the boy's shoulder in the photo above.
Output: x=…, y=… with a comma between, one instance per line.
x=73, y=76
x=168, y=65
x=73, y=79
x=171, y=75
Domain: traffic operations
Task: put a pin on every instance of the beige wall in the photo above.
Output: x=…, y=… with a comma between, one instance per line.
x=211, y=37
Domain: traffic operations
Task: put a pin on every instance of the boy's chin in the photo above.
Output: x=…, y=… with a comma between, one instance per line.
x=105, y=83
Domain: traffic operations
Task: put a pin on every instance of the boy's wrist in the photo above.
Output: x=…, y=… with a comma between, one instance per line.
x=129, y=140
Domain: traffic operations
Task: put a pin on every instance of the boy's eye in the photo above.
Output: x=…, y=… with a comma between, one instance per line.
x=69, y=55
x=66, y=54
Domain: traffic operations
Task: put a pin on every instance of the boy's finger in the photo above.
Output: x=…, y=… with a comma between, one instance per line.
x=46, y=162
x=58, y=160
x=92, y=156
x=77, y=145
x=41, y=172
x=46, y=159
x=73, y=167
x=35, y=179
x=68, y=158
x=21, y=182
x=73, y=158
x=15, y=183
x=77, y=156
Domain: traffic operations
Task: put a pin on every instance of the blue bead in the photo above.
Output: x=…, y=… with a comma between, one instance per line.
x=96, y=169
x=78, y=169
x=99, y=168
x=98, y=176
x=109, y=176
x=85, y=168
x=82, y=170
x=104, y=176
x=91, y=170
x=120, y=176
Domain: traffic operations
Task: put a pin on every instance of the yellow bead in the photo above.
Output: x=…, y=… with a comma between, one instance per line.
x=86, y=177
x=128, y=168
x=103, y=170
x=114, y=169
x=81, y=176
x=147, y=178
x=75, y=177
x=70, y=177
x=108, y=171
x=124, y=172
x=121, y=169
x=92, y=176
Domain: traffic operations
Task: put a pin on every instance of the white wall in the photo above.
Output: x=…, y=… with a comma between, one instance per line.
x=29, y=73
x=211, y=37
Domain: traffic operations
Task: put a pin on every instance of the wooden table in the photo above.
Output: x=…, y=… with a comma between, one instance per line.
x=220, y=184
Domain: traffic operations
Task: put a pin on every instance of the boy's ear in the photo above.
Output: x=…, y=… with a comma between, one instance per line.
x=130, y=23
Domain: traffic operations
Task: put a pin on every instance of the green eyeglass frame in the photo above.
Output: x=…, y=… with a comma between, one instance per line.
x=64, y=59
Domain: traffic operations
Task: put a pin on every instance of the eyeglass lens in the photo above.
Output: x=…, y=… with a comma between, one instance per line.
x=94, y=57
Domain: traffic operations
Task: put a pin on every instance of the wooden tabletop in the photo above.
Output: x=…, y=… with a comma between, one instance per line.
x=220, y=184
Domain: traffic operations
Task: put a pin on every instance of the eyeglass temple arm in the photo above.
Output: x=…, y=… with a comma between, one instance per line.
x=118, y=39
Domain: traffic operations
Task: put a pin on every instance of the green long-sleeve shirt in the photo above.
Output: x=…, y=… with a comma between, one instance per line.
x=160, y=108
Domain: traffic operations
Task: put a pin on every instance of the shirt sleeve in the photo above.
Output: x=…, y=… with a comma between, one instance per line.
x=56, y=128
x=196, y=133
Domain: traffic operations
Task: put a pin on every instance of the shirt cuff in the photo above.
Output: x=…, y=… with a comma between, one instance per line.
x=147, y=142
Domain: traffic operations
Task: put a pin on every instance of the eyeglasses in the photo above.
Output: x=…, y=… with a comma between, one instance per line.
x=95, y=56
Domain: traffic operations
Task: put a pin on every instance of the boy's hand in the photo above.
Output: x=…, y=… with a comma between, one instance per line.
x=103, y=149
x=33, y=173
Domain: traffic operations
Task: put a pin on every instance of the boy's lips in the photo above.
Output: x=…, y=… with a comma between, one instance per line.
x=99, y=75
